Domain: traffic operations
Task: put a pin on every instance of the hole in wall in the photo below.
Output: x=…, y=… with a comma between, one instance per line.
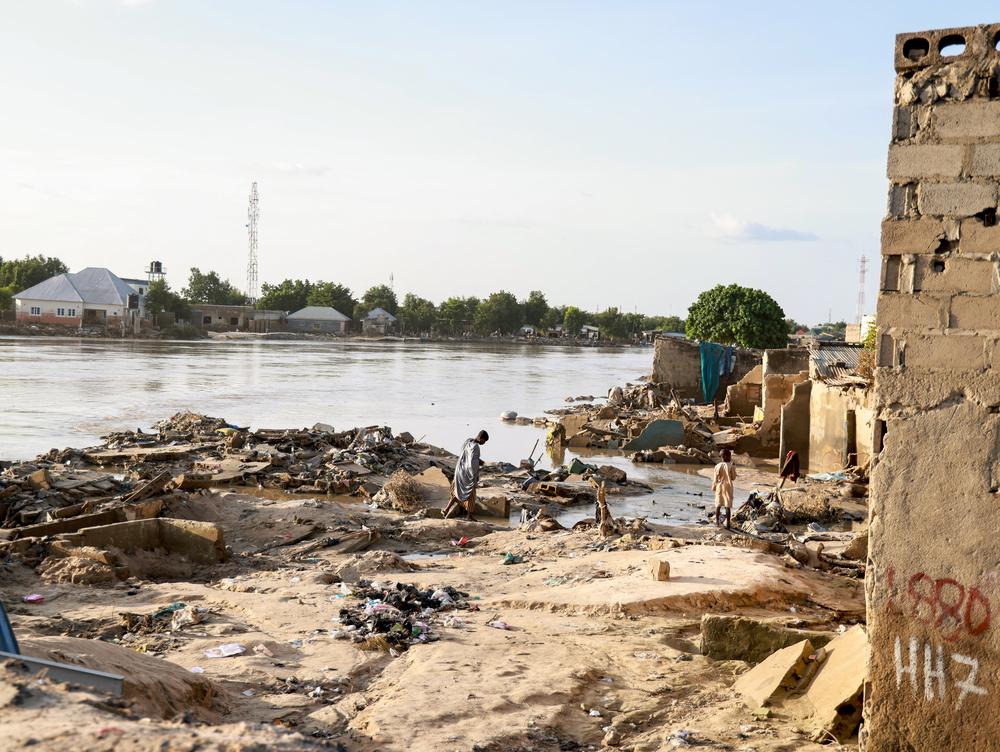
x=996, y=41
x=881, y=429
x=952, y=45
x=987, y=216
x=994, y=409
x=937, y=266
x=916, y=48
x=947, y=246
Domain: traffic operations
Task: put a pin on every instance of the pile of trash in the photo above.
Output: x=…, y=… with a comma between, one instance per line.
x=761, y=514
x=390, y=618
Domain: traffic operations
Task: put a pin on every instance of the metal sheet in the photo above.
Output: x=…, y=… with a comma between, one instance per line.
x=65, y=672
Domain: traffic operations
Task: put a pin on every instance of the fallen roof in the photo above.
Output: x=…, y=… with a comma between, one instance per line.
x=319, y=313
x=94, y=285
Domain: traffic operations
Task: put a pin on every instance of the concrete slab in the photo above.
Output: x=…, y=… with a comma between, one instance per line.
x=781, y=670
x=702, y=578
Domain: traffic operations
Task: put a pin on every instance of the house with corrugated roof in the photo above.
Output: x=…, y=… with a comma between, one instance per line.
x=378, y=322
x=320, y=319
x=92, y=297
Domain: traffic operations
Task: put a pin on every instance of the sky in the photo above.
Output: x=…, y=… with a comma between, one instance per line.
x=617, y=153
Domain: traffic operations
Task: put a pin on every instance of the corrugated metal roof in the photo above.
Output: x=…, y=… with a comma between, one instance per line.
x=380, y=313
x=59, y=288
x=835, y=361
x=319, y=313
x=98, y=285
x=94, y=285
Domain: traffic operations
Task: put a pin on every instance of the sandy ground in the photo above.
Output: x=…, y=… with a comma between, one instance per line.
x=596, y=653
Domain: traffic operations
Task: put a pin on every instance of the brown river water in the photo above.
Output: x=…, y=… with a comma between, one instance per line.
x=58, y=392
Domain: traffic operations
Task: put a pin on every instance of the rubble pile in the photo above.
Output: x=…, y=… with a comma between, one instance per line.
x=651, y=421
x=205, y=452
x=29, y=491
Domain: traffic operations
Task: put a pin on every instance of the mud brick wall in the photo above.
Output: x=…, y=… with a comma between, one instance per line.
x=934, y=576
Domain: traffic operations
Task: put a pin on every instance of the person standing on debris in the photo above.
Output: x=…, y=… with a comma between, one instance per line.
x=722, y=484
x=467, y=477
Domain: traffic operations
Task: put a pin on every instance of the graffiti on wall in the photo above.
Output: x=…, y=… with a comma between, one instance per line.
x=951, y=610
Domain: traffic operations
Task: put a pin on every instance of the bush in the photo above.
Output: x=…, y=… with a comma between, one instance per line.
x=181, y=331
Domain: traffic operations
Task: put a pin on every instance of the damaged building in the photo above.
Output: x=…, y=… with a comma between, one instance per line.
x=932, y=577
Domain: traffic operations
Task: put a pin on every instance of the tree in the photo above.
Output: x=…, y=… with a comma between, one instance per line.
x=289, y=295
x=735, y=315
x=573, y=321
x=6, y=298
x=535, y=308
x=500, y=312
x=794, y=327
x=379, y=296
x=160, y=298
x=553, y=318
x=20, y=274
x=612, y=324
x=456, y=315
x=333, y=295
x=417, y=314
x=211, y=289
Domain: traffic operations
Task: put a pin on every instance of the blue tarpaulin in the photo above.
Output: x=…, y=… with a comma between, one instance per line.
x=716, y=361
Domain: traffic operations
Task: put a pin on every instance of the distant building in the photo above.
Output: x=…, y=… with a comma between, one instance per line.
x=378, y=322
x=92, y=297
x=318, y=319
x=858, y=332
x=589, y=332
x=236, y=318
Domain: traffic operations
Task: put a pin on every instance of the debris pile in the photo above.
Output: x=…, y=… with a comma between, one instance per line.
x=651, y=421
x=393, y=617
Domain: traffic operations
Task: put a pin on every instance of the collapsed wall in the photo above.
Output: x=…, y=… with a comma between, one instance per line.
x=934, y=578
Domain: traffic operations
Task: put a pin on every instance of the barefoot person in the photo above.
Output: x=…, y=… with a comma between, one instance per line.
x=467, y=476
x=722, y=484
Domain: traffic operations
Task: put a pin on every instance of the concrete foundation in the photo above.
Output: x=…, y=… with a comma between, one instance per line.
x=933, y=578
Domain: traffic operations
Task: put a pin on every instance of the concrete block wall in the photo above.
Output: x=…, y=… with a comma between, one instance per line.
x=934, y=561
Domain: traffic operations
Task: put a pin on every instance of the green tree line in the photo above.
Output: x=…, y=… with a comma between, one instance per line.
x=728, y=314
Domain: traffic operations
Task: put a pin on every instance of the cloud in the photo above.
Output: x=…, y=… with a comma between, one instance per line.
x=735, y=230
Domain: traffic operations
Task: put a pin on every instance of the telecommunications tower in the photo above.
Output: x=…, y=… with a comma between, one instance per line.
x=253, y=213
x=862, y=269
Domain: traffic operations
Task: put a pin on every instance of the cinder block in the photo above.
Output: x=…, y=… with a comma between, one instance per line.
x=902, y=200
x=904, y=123
x=977, y=238
x=975, y=313
x=986, y=160
x=921, y=311
x=956, y=199
x=660, y=568
x=958, y=274
x=967, y=120
x=911, y=236
x=956, y=352
x=915, y=161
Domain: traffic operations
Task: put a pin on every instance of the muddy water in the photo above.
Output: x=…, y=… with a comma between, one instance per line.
x=68, y=392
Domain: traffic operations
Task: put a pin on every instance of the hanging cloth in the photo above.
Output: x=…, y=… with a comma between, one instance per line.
x=712, y=362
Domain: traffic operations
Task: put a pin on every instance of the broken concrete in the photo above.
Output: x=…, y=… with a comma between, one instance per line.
x=784, y=669
x=726, y=638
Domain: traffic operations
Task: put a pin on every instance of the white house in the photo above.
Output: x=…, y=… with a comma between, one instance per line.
x=94, y=296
